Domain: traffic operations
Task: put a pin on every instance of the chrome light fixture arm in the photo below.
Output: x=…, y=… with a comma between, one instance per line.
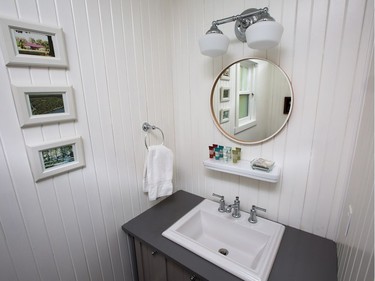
x=243, y=21
x=245, y=14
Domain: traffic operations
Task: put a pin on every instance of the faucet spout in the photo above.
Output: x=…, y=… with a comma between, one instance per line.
x=229, y=208
x=235, y=207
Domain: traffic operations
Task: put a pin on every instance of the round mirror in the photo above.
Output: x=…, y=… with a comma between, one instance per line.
x=251, y=100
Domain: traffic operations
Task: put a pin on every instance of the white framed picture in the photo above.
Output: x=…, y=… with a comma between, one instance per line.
x=54, y=158
x=224, y=115
x=224, y=94
x=37, y=105
x=29, y=44
x=226, y=74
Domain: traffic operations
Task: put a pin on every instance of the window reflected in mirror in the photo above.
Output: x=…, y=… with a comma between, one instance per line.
x=243, y=108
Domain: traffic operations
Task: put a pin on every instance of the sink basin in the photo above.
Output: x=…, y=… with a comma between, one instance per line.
x=246, y=250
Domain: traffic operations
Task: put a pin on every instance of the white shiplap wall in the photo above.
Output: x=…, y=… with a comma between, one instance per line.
x=136, y=60
x=68, y=227
x=325, y=50
x=356, y=241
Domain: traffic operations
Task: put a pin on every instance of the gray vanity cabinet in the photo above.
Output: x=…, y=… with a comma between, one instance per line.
x=153, y=266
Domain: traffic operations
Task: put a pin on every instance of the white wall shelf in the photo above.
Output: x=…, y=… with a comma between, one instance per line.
x=243, y=168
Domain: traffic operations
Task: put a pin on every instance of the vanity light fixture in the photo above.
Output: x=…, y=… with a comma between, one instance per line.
x=254, y=26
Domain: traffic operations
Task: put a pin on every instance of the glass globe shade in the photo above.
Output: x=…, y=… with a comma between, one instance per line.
x=213, y=44
x=264, y=35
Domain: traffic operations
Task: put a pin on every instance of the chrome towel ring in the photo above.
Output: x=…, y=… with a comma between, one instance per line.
x=146, y=127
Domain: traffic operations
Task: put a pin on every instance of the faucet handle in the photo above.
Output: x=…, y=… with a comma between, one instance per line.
x=218, y=195
x=253, y=213
x=221, y=208
x=258, y=208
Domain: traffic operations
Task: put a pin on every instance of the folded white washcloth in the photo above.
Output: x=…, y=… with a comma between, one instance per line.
x=158, y=172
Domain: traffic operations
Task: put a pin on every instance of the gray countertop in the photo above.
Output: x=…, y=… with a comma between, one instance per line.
x=301, y=257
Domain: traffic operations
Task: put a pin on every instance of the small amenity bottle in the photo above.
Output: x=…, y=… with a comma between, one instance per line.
x=217, y=153
x=211, y=151
x=221, y=150
x=225, y=155
x=238, y=153
x=234, y=156
x=229, y=151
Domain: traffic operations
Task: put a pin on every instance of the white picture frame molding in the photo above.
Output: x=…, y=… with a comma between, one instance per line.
x=38, y=165
x=22, y=94
x=9, y=47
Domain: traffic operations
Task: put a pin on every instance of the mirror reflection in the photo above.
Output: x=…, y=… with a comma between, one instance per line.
x=251, y=100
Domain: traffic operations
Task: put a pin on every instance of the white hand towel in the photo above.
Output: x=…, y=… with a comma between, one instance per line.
x=158, y=172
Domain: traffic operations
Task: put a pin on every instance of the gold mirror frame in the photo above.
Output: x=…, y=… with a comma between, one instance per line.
x=232, y=136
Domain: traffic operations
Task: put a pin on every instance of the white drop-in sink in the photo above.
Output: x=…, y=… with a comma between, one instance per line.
x=246, y=250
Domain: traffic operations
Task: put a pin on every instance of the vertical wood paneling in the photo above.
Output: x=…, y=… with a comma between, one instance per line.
x=338, y=113
x=123, y=149
x=132, y=61
x=29, y=196
x=311, y=100
x=356, y=250
x=315, y=149
x=132, y=108
x=293, y=191
x=6, y=263
x=364, y=56
x=15, y=239
x=84, y=186
x=118, y=85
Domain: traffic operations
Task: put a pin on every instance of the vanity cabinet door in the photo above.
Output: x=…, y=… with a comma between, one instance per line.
x=151, y=265
x=176, y=272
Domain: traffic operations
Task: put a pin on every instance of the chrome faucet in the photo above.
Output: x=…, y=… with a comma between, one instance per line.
x=221, y=208
x=253, y=213
x=236, y=208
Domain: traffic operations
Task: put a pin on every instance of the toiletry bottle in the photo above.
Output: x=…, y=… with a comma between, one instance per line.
x=217, y=153
x=221, y=150
x=225, y=155
x=211, y=151
x=238, y=153
x=229, y=151
x=234, y=156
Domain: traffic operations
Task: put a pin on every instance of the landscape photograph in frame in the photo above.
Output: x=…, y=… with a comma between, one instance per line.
x=33, y=43
x=29, y=44
x=39, y=105
x=54, y=158
x=46, y=104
